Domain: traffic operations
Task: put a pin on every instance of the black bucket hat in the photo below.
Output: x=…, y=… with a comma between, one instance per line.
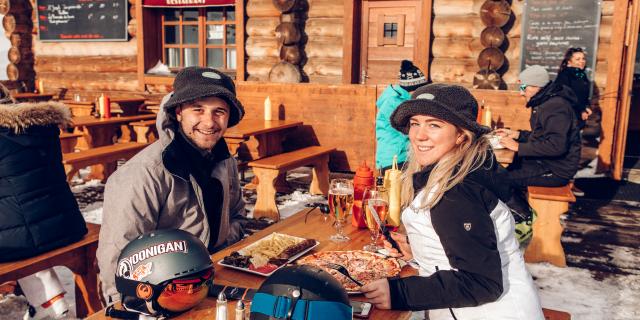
x=194, y=83
x=451, y=103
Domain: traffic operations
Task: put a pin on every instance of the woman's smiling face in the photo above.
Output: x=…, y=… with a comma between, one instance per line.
x=432, y=138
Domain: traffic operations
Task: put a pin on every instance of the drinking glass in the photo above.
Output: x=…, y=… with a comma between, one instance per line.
x=377, y=199
x=340, y=203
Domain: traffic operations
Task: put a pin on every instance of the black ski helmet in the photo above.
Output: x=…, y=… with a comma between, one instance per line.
x=299, y=293
x=164, y=272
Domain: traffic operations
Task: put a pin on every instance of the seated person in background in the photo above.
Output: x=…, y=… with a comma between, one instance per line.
x=186, y=180
x=390, y=142
x=38, y=212
x=549, y=154
x=460, y=230
x=572, y=75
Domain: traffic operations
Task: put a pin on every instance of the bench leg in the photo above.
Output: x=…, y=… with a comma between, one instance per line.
x=70, y=171
x=320, y=179
x=141, y=134
x=266, y=194
x=545, y=243
x=87, y=296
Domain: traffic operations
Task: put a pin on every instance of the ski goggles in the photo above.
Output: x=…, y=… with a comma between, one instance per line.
x=280, y=307
x=167, y=298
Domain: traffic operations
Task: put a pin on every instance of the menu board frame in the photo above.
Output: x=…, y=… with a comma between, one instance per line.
x=590, y=44
x=122, y=35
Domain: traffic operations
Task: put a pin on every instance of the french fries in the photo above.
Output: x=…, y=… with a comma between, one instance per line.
x=260, y=252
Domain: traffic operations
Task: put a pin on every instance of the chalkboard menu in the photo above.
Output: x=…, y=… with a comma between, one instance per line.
x=550, y=27
x=82, y=20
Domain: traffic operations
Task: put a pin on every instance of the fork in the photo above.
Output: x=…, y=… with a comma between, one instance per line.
x=343, y=270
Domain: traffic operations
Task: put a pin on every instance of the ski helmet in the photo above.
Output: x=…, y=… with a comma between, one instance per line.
x=299, y=293
x=164, y=272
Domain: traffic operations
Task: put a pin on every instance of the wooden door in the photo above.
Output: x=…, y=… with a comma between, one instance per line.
x=389, y=35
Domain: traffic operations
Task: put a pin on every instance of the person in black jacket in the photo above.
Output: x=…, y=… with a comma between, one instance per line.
x=572, y=75
x=459, y=230
x=38, y=212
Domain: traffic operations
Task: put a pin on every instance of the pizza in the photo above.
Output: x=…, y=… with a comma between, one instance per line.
x=364, y=266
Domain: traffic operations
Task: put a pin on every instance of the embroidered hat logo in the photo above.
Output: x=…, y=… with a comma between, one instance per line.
x=467, y=226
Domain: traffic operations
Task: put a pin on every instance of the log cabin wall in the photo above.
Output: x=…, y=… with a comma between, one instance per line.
x=342, y=116
x=261, y=46
x=324, y=50
x=18, y=26
x=90, y=68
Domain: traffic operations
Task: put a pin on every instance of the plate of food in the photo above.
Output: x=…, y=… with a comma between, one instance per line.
x=268, y=254
x=364, y=266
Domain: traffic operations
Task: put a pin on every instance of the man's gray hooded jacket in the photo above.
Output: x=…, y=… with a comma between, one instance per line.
x=153, y=191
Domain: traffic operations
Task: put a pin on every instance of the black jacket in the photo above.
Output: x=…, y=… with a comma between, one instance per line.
x=477, y=275
x=555, y=137
x=38, y=212
x=577, y=80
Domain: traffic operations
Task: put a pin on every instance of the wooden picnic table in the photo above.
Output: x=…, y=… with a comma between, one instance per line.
x=256, y=139
x=504, y=156
x=315, y=227
x=32, y=97
x=80, y=108
x=127, y=106
x=98, y=132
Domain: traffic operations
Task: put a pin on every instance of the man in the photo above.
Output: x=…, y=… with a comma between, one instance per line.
x=548, y=155
x=186, y=180
x=390, y=141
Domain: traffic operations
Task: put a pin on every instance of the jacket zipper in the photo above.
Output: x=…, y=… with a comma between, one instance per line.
x=450, y=310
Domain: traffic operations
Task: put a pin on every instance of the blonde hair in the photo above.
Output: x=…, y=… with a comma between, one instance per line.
x=450, y=170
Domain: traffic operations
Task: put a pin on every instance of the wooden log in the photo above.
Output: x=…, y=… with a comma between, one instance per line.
x=492, y=37
x=132, y=27
x=288, y=33
x=293, y=17
x=17, y=56
x=456, y=8
x=325, y=79
x=510, y=77
x=261, y=8
x=14, y=6
x=456, y=47
x=261, y=47
x=601, y=74
x=491, y=58
x=260, y=66
x=262, y=27
x=468, y=26
x=5, y=6
x=326, y=8
x=453, y=70
x=12, y=23
x=20, y=72
x=91, y=81
x=20, y=39
x=291, y=54
x=608, y=7
x=132, y=11
x=284, y=5
x=323, y=67
x=324, y=27
x=96, y=64
x=606, y=24
x=495, y=13
x=324, y=47
x=284, y=72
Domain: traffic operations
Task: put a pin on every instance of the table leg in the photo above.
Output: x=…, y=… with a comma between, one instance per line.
x=87, y=296
x=101, y=136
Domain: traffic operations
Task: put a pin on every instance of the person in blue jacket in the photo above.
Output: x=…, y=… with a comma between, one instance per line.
x=389, y=141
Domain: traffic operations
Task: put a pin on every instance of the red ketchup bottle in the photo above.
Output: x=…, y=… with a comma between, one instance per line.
x=363, y=179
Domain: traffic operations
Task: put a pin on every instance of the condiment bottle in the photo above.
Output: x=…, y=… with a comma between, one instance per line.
x=362, y=180
x=221, y=307
x=240, y=310
x=486, y=117
x=267, y=109
x=393, y=184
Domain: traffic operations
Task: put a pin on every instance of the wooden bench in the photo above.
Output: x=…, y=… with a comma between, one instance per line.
x=79, y=257
x=68, y=141
x=555, y=314
x=268, y=169
x=106, y=155
x=146, y=131
x=549, y=204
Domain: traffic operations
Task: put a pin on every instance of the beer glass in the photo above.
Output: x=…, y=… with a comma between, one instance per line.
x=340, y=203
x=376, y=199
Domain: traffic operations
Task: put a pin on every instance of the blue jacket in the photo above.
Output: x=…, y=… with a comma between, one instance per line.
x=389, y=141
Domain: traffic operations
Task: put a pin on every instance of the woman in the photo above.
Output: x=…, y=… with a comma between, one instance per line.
x=459, y=230
x=572, y=75
x=38, y=212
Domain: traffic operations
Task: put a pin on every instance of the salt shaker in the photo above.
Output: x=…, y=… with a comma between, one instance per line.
x=221, y=307
x=240, y=310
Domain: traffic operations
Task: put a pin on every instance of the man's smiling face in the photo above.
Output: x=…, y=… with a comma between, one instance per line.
x=204, y=121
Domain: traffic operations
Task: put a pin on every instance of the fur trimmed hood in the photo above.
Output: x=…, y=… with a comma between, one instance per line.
x=20, y=116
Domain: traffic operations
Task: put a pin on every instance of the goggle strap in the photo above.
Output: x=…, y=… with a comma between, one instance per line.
x=278, y=307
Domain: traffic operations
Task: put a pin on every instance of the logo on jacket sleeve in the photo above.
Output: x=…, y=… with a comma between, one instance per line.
x=467, y=226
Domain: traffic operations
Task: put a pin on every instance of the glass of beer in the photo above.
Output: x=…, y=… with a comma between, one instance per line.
x=376, y=218
x=340, y=203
